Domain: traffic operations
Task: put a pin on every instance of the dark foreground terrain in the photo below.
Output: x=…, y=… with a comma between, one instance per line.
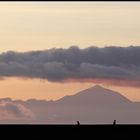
x=70, y=131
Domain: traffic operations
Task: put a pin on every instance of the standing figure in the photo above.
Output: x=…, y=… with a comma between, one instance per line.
x=114, y=122
x=78, y=123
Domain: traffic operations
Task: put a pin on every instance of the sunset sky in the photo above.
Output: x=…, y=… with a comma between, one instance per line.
x=31, y=26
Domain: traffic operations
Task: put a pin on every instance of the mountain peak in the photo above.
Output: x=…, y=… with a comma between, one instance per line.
x=98, y=86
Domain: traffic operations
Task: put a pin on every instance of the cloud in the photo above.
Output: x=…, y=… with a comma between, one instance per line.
x=75, y=64
x=13, y=111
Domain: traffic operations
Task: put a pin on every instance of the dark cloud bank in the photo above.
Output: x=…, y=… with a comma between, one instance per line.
x=57, y=65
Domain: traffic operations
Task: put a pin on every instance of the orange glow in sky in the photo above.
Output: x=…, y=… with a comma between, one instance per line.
x=18, y=88
x=26, y=26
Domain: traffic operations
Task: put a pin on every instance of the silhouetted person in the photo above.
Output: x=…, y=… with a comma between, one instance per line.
x=78, y=123
x=114, y=122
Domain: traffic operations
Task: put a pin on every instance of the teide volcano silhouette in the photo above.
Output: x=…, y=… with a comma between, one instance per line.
x=96, y=105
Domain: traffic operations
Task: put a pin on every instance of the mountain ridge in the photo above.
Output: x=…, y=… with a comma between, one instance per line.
x=98, y=89
x=96, y=93
x=96, y=105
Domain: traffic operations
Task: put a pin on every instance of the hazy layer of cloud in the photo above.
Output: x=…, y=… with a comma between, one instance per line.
x=13, y=111
x=58, y=65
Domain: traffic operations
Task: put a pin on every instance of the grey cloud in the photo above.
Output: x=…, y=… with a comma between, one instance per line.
x=59, y=65
x=99, y=71
x=11, y=111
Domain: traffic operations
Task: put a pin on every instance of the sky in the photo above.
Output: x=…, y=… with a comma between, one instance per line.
x=32, y=26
